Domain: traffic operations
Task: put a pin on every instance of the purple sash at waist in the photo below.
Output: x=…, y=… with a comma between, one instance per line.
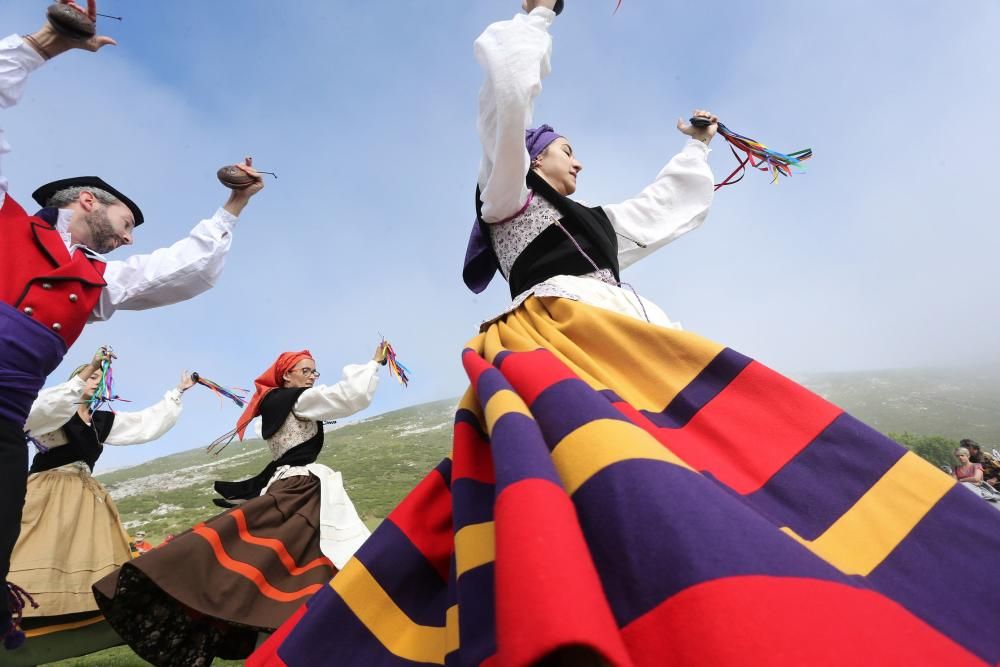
x=28, y=353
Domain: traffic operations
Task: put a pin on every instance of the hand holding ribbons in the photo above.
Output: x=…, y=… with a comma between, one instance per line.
x=703, y=126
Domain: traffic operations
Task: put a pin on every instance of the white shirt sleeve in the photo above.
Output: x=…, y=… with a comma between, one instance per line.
x=55, y=406
x=168, y=275
x=352, y=394
x=135, y=428
x=515, y=56
x=674, y=204
x=17, y=61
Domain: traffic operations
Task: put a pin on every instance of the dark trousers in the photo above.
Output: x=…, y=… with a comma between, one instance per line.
x=13, y=486
x=28, y=353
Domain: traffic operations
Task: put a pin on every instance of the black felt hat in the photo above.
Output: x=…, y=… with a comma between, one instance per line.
x=44, y=193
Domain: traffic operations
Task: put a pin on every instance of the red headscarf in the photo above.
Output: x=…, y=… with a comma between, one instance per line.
x=270, y=379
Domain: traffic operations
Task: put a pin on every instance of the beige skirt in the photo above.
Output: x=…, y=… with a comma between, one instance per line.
x=71, y=536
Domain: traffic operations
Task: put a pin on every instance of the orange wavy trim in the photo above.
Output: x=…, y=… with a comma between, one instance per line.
x=249, y=571
x=277, y=547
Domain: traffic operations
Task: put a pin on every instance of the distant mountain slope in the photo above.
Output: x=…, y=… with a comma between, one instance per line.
x=955, y=404
x=383, y=457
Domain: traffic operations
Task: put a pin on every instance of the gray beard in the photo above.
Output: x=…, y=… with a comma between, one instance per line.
x=102, y=233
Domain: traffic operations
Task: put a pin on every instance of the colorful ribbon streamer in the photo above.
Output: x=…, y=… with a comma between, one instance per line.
x=105, y=393
x=759, y=156
x=396, y=367
x=235, y=394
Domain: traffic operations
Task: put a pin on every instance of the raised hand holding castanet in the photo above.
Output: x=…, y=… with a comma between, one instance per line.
x=69, y=26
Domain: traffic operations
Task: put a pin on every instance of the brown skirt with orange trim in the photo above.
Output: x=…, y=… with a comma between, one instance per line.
x=210, y=591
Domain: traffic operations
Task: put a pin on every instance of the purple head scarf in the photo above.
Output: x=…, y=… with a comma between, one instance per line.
x=480, y=263
x=538, y=139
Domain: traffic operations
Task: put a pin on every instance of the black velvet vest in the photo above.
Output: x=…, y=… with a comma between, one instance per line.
x=552, y=253
x=86, y=443
x=274, y=410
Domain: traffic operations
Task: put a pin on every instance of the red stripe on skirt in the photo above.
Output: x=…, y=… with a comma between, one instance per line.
x=548, y=593
x=471, y=456
x=756, y=425
x=424, y=516
x=534, y=372
x=278, y=547
x=474, y=366
x=258, y=578
x=815, y=617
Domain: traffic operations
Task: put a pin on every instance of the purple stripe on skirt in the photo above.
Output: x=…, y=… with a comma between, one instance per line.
x=331, y=630
x=404, y=573
x=566, y=406
x=655, y=529
x=826, y=478
x=942, y=569
x=477, y=615
x=519, y=452
x=472, y=502
x=490, y=382
x=444, y=469
x=28, y=353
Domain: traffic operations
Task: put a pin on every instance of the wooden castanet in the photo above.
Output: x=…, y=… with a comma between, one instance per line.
x=233, y=177
x=70, y=22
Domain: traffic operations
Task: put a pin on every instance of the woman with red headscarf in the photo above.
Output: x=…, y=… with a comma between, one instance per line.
x=209, y=591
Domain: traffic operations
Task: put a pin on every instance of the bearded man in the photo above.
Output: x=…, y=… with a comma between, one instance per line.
x=54, y=278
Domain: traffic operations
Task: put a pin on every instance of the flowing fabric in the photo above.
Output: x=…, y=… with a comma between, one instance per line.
x=209, y=591
x=626, y=494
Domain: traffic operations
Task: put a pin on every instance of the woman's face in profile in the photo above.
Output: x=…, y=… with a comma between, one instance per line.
x=91, y=385
x=559, y=167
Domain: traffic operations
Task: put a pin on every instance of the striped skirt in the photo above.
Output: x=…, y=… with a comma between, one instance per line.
x=625, y=494
x=209, y=592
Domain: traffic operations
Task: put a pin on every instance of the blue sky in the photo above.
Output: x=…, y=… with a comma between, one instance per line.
x=883, y=255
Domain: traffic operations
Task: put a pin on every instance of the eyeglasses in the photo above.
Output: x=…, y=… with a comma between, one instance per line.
x=309, y=372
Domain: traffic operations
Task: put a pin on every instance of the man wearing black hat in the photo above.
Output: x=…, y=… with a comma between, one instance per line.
x=54, y=279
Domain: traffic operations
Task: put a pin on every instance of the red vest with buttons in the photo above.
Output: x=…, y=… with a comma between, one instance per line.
x=40, y=279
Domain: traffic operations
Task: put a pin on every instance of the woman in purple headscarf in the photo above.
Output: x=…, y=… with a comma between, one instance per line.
x=622, y=492
x=544, y=243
